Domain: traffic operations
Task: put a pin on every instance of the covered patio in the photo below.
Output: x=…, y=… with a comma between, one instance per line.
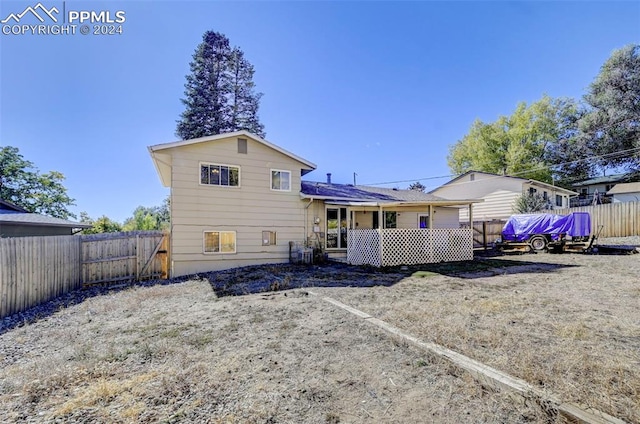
x=407, y=244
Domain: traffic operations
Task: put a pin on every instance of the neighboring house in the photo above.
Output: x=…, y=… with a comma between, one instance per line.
x=625, y=192
x=18, y=222
x=499, y=193
x=595, y=190
x=238, y=200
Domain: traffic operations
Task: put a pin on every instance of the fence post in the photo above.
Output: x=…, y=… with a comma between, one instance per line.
x=484, y=234
x=137, y=257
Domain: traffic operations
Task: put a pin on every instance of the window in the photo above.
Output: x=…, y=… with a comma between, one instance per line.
x=280, y=180
x=242, y=145
x=219, y=242
x=336, y=228
x=390, y=219
x=532, y=191
x=558, y=200
x=545, y=195
x=268, y=238
x=220, y=175
x=423, y=220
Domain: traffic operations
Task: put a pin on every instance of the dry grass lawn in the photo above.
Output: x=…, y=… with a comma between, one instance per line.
x=180, y=353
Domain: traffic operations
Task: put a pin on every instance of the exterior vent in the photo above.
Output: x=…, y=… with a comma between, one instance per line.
x=242, y=145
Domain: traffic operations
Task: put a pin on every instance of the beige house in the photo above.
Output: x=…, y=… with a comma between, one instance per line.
x=499, y=193
x=235, y=201
x=625, y=192
x=238, y=200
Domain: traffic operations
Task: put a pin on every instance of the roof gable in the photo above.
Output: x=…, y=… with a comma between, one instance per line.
x=625, y=188
x=160, y=153
x=457, y=180
x=461, y=176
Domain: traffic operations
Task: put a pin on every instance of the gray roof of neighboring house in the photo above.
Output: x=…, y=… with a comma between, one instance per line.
x=606, y=179
x=4, y=206
x=359, y=193
x=625, y=188
x=13, y=217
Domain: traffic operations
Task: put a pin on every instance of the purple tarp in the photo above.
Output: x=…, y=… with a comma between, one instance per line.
x=521, y=227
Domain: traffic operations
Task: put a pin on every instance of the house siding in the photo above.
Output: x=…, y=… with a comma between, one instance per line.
x=626, y=197
x=496, y=205
x=499, y=194
x=248, y=209
x=481, y=186
x=7, y=230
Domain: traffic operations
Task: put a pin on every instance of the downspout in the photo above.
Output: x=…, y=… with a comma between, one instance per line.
x=306, y=220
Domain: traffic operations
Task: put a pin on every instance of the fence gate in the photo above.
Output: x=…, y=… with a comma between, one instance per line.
x=123, y=257
x=486, y=232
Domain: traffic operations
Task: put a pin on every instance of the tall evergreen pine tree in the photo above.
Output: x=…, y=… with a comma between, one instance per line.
x=219, y=93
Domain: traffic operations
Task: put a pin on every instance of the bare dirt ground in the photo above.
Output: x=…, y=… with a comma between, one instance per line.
x=252, y=345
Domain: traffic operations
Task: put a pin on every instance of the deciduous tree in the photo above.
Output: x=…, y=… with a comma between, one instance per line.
x=23, y=185
x=516, y=144
x=611, y=127
x=100, y=225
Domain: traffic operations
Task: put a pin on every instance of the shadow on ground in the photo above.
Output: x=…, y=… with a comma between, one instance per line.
x=276, y=277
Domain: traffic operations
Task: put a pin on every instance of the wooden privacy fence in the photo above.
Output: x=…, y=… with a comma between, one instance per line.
x=36, y=269
x=486, y=232
x=108, y=258
x=617, y=219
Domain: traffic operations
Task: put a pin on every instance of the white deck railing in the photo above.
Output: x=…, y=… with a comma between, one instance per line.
x=409, y=246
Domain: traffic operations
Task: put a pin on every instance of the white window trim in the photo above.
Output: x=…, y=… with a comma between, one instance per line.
x=219, y=185
x=271, y=179
x=235, y=245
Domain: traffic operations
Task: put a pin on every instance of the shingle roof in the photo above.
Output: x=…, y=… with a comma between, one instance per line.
x=364, y=193
x=15, y=217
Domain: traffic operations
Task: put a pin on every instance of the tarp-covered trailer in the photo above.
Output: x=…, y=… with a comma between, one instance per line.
x=538, y=232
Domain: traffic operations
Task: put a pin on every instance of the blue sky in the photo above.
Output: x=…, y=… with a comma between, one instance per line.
x=382, y=89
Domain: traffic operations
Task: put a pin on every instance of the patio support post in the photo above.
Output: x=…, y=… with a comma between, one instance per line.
x=430, y=233
x=471, y=223
x=381, y=231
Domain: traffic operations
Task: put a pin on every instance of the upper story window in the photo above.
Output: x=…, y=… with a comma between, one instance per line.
x=280, y=180
x=220, y=175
